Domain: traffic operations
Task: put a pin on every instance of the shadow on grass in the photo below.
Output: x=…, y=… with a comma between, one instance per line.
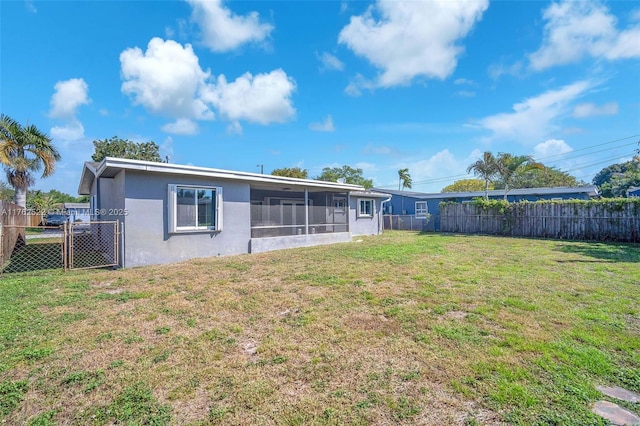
x=604, y=252
x=35, y=257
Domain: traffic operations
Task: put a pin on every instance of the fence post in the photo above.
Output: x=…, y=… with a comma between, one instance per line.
x=1, y=245
x=64, y=247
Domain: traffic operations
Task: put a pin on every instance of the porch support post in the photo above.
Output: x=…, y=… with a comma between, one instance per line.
x=306, y=211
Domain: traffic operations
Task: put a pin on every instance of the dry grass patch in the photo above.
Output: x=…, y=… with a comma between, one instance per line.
x=401, y=328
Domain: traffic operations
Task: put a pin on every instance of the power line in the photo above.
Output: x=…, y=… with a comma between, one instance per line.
x=588, y=153
x=594, y=146
x=469, y=175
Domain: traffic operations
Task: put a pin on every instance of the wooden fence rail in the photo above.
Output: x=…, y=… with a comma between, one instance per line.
x=599, y=221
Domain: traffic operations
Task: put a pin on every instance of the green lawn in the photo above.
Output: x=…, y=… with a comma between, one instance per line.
x=400, y=328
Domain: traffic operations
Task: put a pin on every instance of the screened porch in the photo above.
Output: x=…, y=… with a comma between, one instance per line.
x=285, y=211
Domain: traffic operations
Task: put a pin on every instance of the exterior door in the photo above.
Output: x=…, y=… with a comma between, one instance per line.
x=340, y=214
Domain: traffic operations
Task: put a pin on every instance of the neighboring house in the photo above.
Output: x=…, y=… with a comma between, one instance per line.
x=172, y=212
x=77, y=212
x=633, y=191
x=419, y=204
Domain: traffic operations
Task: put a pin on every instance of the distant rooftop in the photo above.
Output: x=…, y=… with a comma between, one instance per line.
x=590, y=190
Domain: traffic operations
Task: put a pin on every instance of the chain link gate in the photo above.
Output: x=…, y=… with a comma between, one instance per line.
x=91, y=245
x=79, y=245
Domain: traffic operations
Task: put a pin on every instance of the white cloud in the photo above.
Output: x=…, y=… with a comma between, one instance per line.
x=234, y=128
x=466, y=81
x=263, y=98
x=578, y=29
x=103, y=112
x=222, y=30
x=393, y=36
x=182, y=126
x=324, y=126
x=534, y=118
x=72, y=131
x=590, y=109
x=377, y=149
x=439, y=165
x=166, y=79
x=68, y=96
x=466, y=93
x=30, y=6
x=551, y=148
x=330, y=62
x=166, y=148
x=497, y=70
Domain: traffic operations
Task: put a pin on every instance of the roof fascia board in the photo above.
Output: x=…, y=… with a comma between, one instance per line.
x=218, y=173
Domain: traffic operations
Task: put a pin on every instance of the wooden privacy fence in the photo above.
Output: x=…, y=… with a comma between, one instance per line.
x=15, y=218
x=589, y=220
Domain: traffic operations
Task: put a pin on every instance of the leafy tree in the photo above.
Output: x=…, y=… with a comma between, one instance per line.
x=467, y=185
x=294, y=172
x=349, y=174
x=23, y=151
x=6, y=193
x=621, y=183
x=614, y=180
x=404, y=179
x=43, y=201
x=487, y=168
x=124, y=148
x=607, y=173
x=510, y=167
x=603, y=178
x=544, y=177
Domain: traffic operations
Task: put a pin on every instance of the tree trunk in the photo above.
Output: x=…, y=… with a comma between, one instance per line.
x=20, y=197
x=486, y=189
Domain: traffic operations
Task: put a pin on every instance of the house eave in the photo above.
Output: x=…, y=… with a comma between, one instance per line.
x=86, y=179
x=109, y=167
x=591, y=191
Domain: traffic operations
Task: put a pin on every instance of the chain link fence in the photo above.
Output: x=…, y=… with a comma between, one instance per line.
x=79, y=245
x=92, y=245
x=35, y=249
x=409, y=222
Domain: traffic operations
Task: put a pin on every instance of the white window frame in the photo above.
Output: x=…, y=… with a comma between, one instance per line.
x=339, y=204
x=172, y=206
x=421, y=212
x=363, y=202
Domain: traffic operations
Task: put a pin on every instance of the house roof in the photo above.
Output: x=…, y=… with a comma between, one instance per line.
x=590, y=190
x=370, y=194
x=76, y=205
x=632, y=189
x=109, y=167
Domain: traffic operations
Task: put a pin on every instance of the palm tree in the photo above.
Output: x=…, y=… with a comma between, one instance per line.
x=404, y=179
x=24, y=150
x=509, y=166
x=487, y=168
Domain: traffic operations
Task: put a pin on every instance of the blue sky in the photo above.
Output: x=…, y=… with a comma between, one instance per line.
x=377, y=85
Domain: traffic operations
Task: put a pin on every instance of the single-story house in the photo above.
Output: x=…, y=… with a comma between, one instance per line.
x=169, y=213
x=421, y=204
x=633, y=191
x=77, y=212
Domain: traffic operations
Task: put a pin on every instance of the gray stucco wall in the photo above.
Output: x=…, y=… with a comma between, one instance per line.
x=364, y=225
x=147, y=237
x=259, y=245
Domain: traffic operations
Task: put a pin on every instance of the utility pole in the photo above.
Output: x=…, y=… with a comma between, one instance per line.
x=261, y=168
